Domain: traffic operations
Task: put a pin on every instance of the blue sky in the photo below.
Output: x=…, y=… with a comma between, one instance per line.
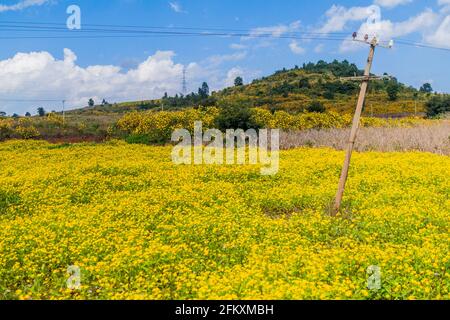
x=141, y=68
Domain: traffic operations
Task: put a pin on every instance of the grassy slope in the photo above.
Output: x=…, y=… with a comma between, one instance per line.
x=263, y=93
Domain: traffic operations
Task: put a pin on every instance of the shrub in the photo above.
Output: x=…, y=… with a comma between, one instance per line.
x=6, y=128
x=29, y=132
x=235, y=117
x=438, y=105
x=157, y=127
x=392, y=90
x=262, y=118
x=316, y=107
x=55, y=120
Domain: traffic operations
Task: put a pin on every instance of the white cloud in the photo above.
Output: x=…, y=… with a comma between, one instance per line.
x=392, y=3
x=388, y=29
x=276, y=31
x=175, y=6
x=265, y=35
x=295, y=48
x=65, y=79
x=219, y=59
x=440, y=35
x=339, y=19
x=22, y=5
x=238, y=46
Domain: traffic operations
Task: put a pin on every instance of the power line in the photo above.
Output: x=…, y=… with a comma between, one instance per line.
x=250, y=30
x=12, y=26
x=174, y=34
x=33, y=100
x=135, y=33
x=421, y=45
x=184, y=84
x=129, y=31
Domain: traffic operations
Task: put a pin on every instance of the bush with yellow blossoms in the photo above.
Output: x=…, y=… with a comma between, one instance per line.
x=158, y=126
x=6, y=128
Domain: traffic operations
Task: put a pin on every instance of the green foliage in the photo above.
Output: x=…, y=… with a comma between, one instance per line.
x=392, y=90
x=426, y=88
x=141, y=139
x=235, y=116
x=91, y=102
x=329, y=95
x=438, y=105
x=8, y=199
x=316, y=107
x=338, y=69
x=41, y=112
x=6, y=129
x=238, y=82
x=203, y=92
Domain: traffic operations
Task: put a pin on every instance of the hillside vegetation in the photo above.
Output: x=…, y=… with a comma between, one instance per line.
x=314, y=96
x=295, y=90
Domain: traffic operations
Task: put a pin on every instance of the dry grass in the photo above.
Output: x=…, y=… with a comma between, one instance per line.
x=435, y=139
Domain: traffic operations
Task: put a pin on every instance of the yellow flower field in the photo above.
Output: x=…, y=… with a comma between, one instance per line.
x=139, y=227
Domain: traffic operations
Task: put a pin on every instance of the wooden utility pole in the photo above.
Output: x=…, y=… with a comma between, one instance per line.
x=356, y=121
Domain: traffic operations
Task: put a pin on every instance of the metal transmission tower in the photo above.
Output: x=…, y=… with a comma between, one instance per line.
x=184, y=83
x=64, y=111
x=356, y=120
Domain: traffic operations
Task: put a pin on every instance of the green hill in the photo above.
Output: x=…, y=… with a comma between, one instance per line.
x=294, y=90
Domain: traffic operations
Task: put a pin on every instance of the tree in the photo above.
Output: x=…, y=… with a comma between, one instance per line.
x=15, y=116
x=303, y=83
x=426, y=88
x=236, y=114
x=438, y=105
x=329, y=95
x=104, y=102
x=238, y=82
x=27, y=114
x=91, y=102
x=41, y=112
x=204, y=90
x=392, y=90
x=316, y=107
x=2, y=114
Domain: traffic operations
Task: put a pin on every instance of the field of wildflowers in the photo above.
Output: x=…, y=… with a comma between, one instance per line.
x=139, y=227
